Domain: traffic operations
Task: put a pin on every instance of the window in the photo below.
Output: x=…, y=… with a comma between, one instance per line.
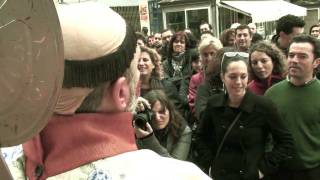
x=194, y=19
x=228, y=17
x=175, y=20
x=187, y=18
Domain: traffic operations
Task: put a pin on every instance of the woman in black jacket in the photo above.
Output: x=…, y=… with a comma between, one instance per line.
x=178, y=67
x=242, y=155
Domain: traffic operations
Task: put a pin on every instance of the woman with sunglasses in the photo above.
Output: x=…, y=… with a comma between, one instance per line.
x=267, y=64
x=167, y=133
x=233, y=130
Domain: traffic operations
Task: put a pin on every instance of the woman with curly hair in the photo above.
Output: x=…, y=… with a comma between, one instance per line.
x=167, y=133
x=227, y=37
x=267, y=64
x=152, y=76
x=149, y=65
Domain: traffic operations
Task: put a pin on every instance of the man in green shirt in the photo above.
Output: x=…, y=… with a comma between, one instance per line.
x=298, y=100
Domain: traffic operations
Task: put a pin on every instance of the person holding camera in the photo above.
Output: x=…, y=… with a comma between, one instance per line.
x=162, y=129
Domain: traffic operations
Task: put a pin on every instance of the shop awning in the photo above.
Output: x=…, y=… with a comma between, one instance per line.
x=263, y=11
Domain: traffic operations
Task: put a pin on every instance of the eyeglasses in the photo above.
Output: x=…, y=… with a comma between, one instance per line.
x=231, y=55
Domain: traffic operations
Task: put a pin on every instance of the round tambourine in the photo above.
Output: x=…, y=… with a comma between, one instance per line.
x=31, y=67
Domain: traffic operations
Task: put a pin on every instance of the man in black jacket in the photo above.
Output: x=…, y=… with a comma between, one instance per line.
x=287, y=27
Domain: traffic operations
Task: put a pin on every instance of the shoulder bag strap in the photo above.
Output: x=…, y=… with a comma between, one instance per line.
x=227, y=133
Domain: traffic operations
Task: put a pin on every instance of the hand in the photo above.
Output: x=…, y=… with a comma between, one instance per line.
x=140, y=133
x=140, y=104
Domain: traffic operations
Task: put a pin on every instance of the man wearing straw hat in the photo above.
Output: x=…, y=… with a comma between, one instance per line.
x=90, y=135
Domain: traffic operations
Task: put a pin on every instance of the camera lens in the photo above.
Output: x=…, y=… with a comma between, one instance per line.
x=140, y=120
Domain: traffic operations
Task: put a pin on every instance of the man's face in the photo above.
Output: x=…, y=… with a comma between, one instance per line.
x=253, y=28
x=301, y=61
x=243, y=39
x=166, y=37
x=150, y=41
x=315, y=31
x=157, y=38
x=285, y=39
x=204, y=28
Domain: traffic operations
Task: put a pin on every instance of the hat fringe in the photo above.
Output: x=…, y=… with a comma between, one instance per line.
x=91, y=73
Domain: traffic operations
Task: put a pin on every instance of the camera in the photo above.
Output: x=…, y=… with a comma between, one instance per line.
x=141, y=118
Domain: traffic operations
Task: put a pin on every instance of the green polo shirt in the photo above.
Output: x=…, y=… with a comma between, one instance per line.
x=299, y=107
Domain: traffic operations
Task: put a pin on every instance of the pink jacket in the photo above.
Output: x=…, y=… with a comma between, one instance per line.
x=195, y=82
x=259, y=87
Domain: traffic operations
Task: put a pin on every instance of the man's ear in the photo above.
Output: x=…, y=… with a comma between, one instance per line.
x=316, y=63
x=282, y=34
x=120, y=94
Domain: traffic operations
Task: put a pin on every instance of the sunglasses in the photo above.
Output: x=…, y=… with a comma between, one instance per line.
x=233, y=54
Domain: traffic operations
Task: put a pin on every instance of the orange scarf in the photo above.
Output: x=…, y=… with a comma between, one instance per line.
x=68, y=142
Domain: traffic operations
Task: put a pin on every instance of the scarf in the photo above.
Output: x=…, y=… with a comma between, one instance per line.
x=68, y=142
x=177, y=63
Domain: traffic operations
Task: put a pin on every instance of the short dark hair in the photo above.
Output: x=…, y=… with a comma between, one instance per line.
x=308, y=39
x=140, y=36
x=241, y=27
x=288, y=22
x=204, y=22
x=313, y=26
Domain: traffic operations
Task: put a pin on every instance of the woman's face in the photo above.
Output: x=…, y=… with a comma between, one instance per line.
x=140, y=42
x=207, y=54
x=231, y=40
x=261, y=64
x=162, y=116
x=235, y=78
x=179, y=45
x=145, y=65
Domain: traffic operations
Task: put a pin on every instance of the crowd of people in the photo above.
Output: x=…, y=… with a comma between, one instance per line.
x=240, y=96
x=237, y=106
